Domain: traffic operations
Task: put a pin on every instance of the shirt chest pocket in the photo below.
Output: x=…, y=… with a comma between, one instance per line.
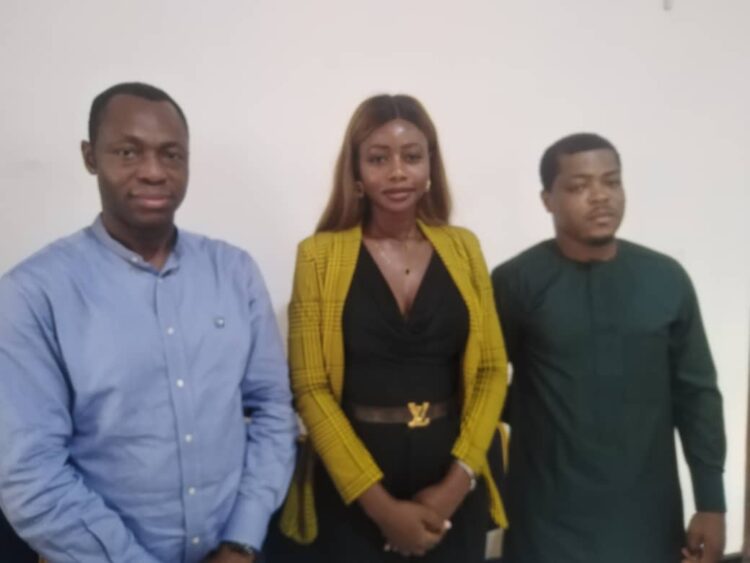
x=220, y=346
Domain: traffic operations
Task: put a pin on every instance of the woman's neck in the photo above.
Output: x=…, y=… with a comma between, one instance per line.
x=398, y=227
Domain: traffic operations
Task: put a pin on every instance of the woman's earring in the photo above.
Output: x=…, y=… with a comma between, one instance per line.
x=427, y=187
x=360, y=191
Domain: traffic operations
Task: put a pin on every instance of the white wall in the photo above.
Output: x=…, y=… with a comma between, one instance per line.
x=268, y=86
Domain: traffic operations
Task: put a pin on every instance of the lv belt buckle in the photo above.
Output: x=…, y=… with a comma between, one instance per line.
x=419, y=418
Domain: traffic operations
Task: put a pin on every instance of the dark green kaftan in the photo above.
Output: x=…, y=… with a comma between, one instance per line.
x=608, y=359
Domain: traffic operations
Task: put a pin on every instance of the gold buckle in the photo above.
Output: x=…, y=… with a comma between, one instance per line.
x=419, y=418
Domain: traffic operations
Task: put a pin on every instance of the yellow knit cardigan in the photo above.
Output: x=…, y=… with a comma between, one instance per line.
x=324, y=269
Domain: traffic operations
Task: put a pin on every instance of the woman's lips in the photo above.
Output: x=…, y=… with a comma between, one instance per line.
x=398, y=194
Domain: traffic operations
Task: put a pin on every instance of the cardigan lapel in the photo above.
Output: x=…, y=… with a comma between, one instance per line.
x=456, y=261
x=338, y=279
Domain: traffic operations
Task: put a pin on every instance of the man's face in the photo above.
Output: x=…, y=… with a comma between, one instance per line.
x=586, y=200
x=140, y=159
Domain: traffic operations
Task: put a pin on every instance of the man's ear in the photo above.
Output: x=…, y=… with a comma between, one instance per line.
x=546, y=199
x=87, y=152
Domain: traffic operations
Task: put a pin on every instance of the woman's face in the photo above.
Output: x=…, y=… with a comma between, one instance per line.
x=394, y=166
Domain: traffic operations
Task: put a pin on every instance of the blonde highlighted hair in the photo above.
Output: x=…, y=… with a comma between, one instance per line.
x=345, y=207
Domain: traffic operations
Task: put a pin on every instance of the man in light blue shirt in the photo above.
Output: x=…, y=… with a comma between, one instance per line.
x=128, y=353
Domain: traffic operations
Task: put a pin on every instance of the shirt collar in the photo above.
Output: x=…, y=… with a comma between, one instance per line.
x=172, y=263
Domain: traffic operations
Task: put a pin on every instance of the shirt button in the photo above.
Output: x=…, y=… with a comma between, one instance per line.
x=135, y=259
x=219, y=322
x=188, y=438
x=170, y=331
x=191, y=491
x=196, y=540
x=180, y=383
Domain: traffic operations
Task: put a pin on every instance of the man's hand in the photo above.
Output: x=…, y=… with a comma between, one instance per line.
x=224, y=554
x=706, y=535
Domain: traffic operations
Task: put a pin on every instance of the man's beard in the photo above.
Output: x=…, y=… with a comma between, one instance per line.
x=600, y=241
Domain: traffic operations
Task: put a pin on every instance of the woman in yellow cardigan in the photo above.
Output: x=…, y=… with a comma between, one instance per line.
x=397, y=361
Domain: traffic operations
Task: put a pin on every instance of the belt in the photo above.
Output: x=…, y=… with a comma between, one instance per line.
x=414, y=415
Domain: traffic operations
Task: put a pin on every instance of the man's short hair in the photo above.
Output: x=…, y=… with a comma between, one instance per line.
x=549, y=167
x=137, y=89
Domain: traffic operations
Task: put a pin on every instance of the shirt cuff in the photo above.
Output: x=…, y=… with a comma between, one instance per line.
x=708, y=488
x=248, y=524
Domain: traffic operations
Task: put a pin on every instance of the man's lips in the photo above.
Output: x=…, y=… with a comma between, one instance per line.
x=152, y=200
x=601, y=215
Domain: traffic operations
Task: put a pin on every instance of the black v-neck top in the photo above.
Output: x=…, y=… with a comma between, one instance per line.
x=392, y=359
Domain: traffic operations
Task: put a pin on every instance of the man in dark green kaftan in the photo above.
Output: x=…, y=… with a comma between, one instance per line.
x=609, y=357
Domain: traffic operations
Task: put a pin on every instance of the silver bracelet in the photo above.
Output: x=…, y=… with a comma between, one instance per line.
x=470, y=472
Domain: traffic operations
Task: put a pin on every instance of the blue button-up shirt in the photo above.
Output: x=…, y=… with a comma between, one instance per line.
x=122, y=389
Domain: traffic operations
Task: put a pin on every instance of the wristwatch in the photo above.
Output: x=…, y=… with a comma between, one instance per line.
x=241, y=548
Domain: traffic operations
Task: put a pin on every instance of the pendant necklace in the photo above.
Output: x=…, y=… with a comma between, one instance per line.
x=389, y=261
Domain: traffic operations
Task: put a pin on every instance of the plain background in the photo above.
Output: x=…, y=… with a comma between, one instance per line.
x=268, y=87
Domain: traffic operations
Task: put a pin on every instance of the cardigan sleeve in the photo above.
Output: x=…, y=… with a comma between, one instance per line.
x=485, y=396
x=350, y=465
